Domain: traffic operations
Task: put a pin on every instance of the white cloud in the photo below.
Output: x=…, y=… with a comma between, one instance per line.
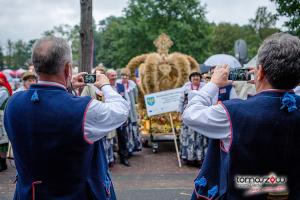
x=28, y=19
x=236, y=11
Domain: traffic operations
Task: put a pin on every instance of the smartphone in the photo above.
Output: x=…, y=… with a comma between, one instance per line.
x=89, y=78
x=239, y=75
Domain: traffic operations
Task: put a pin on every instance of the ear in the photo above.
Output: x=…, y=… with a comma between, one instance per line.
x=260, y=73
x=67, y=69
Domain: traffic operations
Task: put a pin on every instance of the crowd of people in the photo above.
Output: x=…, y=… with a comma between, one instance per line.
x=125, y=139
x=64, y=133
x=193, y=144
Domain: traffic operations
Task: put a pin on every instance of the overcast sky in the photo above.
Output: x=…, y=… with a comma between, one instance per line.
x=27, y=19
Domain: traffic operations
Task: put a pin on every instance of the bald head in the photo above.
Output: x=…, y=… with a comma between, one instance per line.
x=50, y=55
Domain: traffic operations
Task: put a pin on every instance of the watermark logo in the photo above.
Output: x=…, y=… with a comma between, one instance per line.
x=262, y=184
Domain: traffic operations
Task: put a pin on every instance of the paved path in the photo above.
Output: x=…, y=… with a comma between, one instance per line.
x=150, y=177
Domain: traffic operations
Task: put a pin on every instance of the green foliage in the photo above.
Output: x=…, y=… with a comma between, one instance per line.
x=291, y=10
x=118, y=39
x=263, y=19
x=264, y=22
x=17, y=54
x=125, y=37
x=1, y=59
x=21, y=53
x=260, y=27
x=71, y=34
x=225, y=34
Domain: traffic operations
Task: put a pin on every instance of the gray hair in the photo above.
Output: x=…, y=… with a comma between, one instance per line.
x=279, y=56
x=50, y=54
x=111, y=71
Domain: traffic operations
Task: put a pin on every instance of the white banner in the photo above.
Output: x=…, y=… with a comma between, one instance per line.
x=162, y=102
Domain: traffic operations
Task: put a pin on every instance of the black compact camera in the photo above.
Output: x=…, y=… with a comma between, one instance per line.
x=239, y=75
x=89, y=78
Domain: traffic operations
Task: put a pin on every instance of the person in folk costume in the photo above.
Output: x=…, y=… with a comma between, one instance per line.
x=193, y=144
x=5, y=93
x=134, y=139
x=28, y=79
x=122, y=131
x=254, y=137
x=90, y=89
x=56, y=136
x=95, y=93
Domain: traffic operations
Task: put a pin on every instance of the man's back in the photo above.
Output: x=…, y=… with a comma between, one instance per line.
x=265, y=139
x=46, y=128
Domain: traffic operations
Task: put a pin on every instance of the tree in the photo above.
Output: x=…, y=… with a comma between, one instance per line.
x=1, y=59
x=125, y=37
x=263, y=19
x=9, y=54
x=225, y=34
x=21, y=53
x=111, y=43
x=291, y=10
x=264, y=22
x=86, y=36
x=69, y=33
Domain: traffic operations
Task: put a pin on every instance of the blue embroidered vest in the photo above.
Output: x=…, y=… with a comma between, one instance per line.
x=224, y=93
x=265, y=139
x=54, y=162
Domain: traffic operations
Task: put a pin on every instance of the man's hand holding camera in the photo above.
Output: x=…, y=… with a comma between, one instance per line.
x=78, y=81
x=220, y=76
x=101, y=80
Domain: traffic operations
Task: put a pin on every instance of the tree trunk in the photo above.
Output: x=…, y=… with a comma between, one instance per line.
x=86, y=36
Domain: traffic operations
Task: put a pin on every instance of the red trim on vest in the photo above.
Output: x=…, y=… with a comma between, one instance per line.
x=228, y=116
x=54, y=85
x=200, y=196
x=83, y=122
x=33, y=188
x=107, y=190
x=275, y=90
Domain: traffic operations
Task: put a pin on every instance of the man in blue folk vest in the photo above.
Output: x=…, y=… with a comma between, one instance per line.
x=254, y=151
x=56, y=137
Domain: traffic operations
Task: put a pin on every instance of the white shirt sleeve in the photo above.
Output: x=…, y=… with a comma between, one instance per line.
x=101, y=118
x=3, y=96
x=233, y=94
x=206, y=118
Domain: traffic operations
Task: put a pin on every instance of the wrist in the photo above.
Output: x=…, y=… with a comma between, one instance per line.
x=101, y=86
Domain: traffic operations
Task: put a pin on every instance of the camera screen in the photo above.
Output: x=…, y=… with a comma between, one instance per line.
x=239, y=75
x=89, y=78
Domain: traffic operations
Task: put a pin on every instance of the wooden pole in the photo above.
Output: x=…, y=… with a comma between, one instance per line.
x=175, y=139
x=86, y=36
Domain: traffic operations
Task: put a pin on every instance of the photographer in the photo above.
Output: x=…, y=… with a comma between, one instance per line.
x=255, y=136
x=91, y=90
x=56, y=137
